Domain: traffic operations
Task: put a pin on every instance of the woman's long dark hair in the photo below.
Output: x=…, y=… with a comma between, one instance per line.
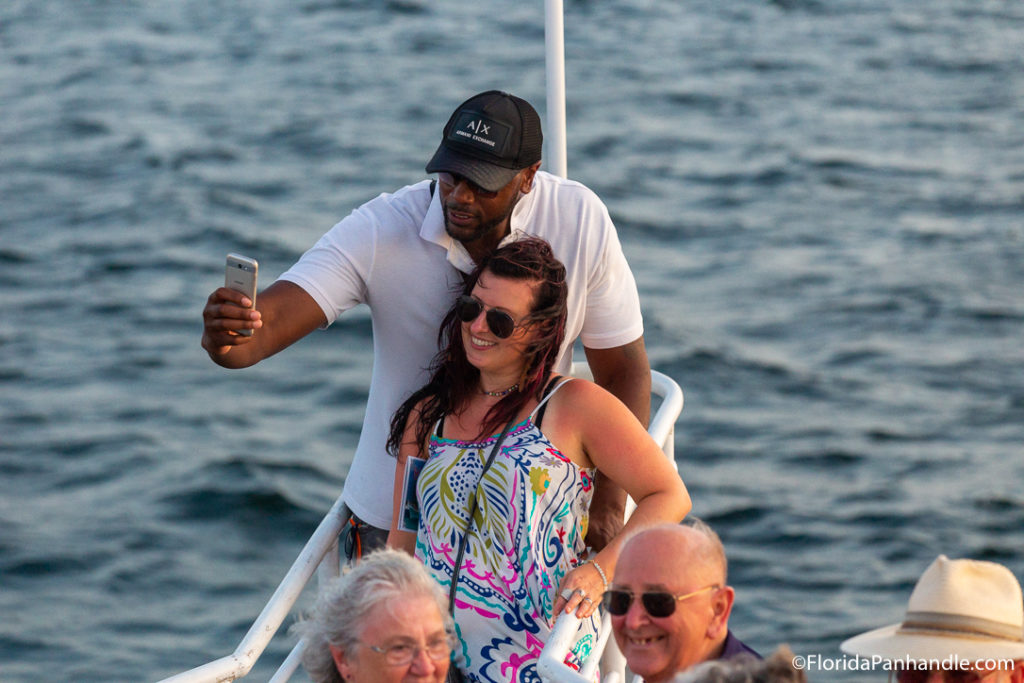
x=454, y=380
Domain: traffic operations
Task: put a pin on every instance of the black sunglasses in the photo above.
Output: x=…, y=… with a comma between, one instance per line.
x=501, y=323
x=453, y=179
x=658, y=604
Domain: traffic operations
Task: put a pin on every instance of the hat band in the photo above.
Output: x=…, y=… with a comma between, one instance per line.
x=955, y=623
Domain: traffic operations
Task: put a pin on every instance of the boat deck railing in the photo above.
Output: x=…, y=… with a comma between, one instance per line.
x=320, y=556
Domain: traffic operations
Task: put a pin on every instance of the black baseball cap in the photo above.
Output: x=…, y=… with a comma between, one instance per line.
x=490, y=137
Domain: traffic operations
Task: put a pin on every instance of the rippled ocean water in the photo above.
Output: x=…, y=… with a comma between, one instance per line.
x=822, y=202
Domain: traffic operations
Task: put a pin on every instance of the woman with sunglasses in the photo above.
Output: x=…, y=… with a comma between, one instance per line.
x=523, y=517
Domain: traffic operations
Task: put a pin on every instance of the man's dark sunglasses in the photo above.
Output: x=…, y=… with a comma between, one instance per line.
x=658, y=604
x=453, y=179
x=468, y=309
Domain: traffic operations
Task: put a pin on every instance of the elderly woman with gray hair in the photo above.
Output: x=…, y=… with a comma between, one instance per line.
x=386, y=619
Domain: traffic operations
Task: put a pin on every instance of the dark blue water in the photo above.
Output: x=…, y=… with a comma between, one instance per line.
x=822, y=202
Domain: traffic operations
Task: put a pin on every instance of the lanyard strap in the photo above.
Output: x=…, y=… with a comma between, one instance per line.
x=472, y=512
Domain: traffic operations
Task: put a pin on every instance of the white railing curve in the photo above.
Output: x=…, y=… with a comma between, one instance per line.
x=320, y=555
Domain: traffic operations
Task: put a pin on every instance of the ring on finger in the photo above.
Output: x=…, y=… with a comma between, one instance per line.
x=587, y=599
x=566, y=594
x=581, y=592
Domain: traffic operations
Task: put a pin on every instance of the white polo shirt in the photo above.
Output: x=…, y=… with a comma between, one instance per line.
x=394, y=255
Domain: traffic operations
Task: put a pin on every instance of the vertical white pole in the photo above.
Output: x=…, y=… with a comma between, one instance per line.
x=554, y=54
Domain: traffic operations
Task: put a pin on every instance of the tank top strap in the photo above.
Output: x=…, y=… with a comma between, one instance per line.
x=438, y=426
x=538, y=413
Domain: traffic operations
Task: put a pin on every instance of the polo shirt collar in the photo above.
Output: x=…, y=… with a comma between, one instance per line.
x=432, y=230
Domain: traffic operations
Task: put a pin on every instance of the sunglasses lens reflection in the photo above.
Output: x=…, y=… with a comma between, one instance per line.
x=617, y=602
x=450, y=180
x=657, y=604
x=500, y=323
x=468, y=308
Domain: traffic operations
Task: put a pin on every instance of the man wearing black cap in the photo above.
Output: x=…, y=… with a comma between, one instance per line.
x=489, y=141
x=403, y=253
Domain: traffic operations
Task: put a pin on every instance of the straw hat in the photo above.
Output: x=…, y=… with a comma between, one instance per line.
x=967, y=608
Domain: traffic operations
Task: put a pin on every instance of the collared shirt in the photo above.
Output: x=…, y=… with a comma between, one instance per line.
x=734, y=646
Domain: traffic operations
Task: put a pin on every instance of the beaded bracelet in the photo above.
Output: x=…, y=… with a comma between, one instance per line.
x=599, y=571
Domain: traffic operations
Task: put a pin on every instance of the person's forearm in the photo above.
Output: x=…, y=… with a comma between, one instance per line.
x=607, y=510
x=285, y=314
x=625, y=372
x=663, y=507
x=402, y=540
x=232, y=357
x=635, y=391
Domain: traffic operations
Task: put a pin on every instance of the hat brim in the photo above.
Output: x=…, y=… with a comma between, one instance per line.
x=488, y=176
x=890, y=643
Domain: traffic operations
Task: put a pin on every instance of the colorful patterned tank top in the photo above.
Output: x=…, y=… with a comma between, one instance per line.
x=526, y=535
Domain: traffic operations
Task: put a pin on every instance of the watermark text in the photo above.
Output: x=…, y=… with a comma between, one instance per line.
x=816, y=662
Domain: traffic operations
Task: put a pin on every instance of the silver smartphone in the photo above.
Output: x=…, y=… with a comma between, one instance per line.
x=240, y=275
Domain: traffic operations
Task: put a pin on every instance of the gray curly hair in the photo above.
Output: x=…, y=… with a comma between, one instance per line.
x=744, y=668
x=337, y=617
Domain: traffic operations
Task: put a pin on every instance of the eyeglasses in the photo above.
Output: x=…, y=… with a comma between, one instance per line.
x=402, y=654
x=453, y=179
x=658, y=604
x=468, y=309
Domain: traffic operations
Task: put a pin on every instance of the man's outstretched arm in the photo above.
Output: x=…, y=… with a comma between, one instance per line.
x=284, y=314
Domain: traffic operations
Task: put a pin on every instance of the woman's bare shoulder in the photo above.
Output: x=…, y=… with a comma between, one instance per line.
x=583, y=396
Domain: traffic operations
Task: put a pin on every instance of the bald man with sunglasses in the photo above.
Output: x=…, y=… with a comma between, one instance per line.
x=670, y=603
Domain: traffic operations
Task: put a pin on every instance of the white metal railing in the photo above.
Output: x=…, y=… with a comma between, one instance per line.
x=551, y=664
x=321, y=551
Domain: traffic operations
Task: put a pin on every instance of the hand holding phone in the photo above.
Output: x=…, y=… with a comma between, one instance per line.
x=240, y=275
